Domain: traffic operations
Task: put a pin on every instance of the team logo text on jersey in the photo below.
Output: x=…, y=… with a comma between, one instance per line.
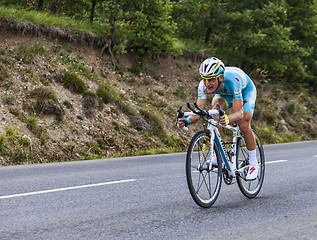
x=237, y=91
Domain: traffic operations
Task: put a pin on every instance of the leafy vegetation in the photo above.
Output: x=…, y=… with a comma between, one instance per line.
x=276, y=38
x=158, y=130
x=21, y=10
x=27, y=53
x=108, y=93
x=73, y=82
x=274, y=41
x=17, y=148
x=244, y=32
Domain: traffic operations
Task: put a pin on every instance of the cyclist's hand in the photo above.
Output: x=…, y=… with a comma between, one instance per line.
x=183, y=122
x=224, y=120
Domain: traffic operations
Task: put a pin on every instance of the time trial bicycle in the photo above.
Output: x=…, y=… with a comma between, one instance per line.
x=204, y=178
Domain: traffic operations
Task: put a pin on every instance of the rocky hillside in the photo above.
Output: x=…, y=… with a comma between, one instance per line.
x=60, y=100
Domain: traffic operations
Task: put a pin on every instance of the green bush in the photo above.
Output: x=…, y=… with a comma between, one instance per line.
x=108, y=94
x=32, y=124
x=15, y=148
x=73, y=82
x=89, y=94
x=43, y=100
x=44, y=93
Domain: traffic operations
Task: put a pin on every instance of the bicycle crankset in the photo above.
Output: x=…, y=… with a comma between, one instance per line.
x=226, y=177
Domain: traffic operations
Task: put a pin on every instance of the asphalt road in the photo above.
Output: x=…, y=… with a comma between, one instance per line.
x=147, y=198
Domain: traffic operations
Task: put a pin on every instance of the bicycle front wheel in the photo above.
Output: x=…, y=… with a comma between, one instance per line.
x=203, y=179
x=250, y=188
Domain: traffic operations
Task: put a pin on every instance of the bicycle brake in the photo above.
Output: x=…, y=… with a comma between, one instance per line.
x=179, y=114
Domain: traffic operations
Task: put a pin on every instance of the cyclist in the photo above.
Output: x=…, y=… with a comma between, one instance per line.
x=232, y=88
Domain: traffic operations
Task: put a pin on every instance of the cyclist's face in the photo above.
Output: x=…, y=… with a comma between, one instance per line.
x=212, y=83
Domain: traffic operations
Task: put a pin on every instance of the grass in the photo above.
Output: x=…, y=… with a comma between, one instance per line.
x=180, y=92
x=108, y=94
x=39, y=18
x=8, y=99
x=73, y=82
x=158, y=130
x=80, y=68
x=126, y=108
x=87, y=93
x=27, y=53
x=16, y=148
x=5, y=60
x=43, y=101
x=270, y=135
x=40, y=131
x=73, y=64
x=4, y=75
x=94, y=148
x=44, y=93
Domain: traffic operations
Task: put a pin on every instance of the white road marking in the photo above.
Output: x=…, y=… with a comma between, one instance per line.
x=66, y=189
x=276, y=161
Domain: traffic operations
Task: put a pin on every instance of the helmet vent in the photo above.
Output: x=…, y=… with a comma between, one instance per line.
x=211, y=67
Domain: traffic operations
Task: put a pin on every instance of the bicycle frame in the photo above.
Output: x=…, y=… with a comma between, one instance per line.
x=203, y=175
x=230, y=165
x=229, y=161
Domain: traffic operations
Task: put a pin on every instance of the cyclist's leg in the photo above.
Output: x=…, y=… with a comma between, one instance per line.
x=224, y=103
x=245, y=129
x=245, y=123
x=249, y=138
x=250, y=188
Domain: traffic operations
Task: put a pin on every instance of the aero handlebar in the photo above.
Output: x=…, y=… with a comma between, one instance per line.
x=199, y=112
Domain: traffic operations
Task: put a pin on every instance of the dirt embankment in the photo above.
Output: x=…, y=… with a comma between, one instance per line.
x=61, y=123
x=61, y=100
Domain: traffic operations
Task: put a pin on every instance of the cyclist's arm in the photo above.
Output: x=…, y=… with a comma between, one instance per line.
x=237, y=101
x=201, y=104
x=237, y=106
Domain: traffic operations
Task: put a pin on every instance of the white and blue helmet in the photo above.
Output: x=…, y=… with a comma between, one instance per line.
x=211, y=67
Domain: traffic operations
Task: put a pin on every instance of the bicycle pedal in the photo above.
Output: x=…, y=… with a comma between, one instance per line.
x=242, y=172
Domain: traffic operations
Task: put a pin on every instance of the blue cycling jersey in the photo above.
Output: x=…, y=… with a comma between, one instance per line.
x=238, y=85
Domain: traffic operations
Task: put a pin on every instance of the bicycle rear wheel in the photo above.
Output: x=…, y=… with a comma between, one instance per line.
x=204, y=181
x=250, y=188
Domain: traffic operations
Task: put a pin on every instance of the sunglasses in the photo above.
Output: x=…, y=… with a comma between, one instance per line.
x=211, y=79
